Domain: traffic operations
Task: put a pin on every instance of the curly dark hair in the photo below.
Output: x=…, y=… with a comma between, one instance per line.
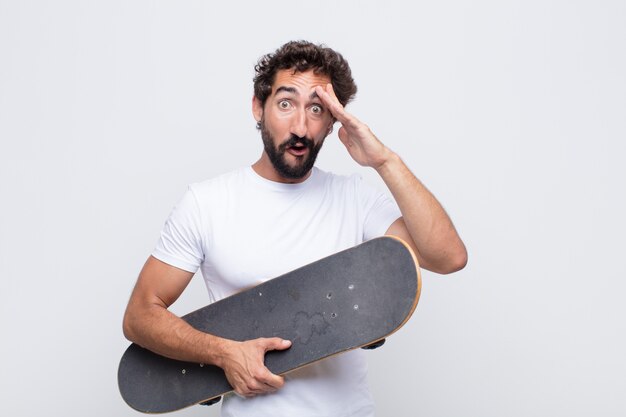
x=302, y=56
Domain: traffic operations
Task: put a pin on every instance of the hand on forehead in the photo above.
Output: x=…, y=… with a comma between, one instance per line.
x=327, y=94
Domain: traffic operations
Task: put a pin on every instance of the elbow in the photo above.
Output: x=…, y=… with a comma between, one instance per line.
x=454, y=262
x=127, y=327
x=459, y=262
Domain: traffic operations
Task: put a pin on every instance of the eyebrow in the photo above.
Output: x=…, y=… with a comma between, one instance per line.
x=286, y=89
x=292, y=90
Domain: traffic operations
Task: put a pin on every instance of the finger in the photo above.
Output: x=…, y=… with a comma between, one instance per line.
x=261, y=381
x=348, y=120
x=328, y=97
x=258, y=387
x=275, y=343
x=244, y=390
x=266, y=377
x=331, y=91
x=332, y=102
x=254, y=386
x=269, y=382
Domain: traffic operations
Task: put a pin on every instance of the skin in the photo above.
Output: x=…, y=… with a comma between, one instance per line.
x=293, y=108
x=303, y=104
x=424, y=224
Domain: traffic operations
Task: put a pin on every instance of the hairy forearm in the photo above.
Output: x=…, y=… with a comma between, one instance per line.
x=159, y=330
x=150, y=324
x=435, y=238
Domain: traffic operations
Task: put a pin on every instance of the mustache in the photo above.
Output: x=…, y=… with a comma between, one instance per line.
x=294, y=140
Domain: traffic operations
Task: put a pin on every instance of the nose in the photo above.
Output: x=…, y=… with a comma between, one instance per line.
x=299, y=124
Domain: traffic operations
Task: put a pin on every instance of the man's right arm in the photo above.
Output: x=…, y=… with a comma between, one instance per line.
x=150, y=324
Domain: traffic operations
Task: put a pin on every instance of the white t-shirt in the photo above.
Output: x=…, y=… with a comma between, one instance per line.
x=241, y=229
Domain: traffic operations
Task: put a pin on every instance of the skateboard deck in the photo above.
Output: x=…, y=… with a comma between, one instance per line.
x=346, y=301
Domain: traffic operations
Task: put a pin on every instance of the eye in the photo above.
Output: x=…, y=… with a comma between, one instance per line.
x=316, y=109
x=284, y=104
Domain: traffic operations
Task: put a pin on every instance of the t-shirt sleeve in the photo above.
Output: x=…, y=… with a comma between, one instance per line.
x=180, y=243
x=379, y=209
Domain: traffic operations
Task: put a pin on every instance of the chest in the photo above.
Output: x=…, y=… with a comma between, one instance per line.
x=252, y=240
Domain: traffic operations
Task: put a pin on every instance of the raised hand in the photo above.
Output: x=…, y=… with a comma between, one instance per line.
x=363, y=146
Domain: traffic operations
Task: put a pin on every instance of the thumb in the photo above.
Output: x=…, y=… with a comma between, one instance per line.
x=276, y=343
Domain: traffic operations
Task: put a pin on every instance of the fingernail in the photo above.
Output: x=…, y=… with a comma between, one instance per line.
x=286, y=343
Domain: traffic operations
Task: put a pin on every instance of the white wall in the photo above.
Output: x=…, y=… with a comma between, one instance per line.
x=513, y=113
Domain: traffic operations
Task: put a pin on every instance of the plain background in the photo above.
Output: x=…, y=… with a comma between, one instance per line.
x=512, y=112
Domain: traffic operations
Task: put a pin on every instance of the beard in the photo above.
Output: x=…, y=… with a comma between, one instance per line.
x=276, y=154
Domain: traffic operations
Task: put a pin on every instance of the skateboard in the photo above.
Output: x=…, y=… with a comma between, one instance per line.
x=352, y=299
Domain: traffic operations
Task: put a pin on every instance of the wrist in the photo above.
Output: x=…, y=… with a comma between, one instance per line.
x=388, y=163
x=218, y=351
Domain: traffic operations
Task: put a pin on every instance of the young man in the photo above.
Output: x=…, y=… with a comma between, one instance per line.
x=259, y=222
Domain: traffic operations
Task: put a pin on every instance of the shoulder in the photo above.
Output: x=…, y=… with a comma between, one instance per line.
x=219, y=184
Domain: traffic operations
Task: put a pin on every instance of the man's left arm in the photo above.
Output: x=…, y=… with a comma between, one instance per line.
x=424, y=224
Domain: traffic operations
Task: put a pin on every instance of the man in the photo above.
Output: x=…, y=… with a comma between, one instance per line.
x=256, y=223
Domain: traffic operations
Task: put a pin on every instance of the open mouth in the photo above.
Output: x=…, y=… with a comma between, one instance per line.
x=299, y=149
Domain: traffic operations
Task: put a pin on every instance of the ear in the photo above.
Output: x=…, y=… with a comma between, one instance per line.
x=257, y=109
x=330, y=126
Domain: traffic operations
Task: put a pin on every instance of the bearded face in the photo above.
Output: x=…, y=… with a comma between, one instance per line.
x=302, y=150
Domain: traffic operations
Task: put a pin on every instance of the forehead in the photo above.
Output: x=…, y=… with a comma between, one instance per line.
x=303, y=82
